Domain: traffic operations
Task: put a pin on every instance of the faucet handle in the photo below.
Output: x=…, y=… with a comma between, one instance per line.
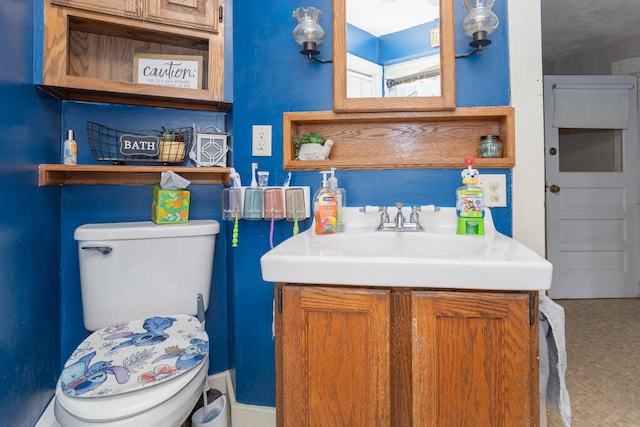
x=384, y=214
x=371, y=209
x=429, y=208
x=414, y=214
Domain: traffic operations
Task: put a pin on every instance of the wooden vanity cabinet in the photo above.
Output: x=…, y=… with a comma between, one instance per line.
x=333, y=358
x=351, y=356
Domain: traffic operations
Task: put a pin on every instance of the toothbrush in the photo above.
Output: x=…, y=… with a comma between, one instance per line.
x=234, y=235
x=254, y=168
x=295, y=221
x=273, y=216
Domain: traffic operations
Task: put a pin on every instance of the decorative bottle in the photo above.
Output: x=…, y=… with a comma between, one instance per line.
x=470, y=202
x=70, y=149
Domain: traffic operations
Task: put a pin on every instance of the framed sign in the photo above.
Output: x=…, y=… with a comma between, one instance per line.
x=139, y=145
x=183, y=71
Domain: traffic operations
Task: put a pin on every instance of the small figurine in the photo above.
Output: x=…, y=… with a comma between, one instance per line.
x=315, y=151
x=312, y=146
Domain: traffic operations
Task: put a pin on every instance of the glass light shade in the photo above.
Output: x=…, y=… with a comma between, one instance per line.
x=308, y=29
x=480, y=17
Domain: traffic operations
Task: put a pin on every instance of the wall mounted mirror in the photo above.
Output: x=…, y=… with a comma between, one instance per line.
x=393, y=55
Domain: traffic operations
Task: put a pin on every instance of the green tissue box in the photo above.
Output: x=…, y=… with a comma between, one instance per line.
x=170, y=206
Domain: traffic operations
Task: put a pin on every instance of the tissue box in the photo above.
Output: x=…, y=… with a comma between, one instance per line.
x=170, y=206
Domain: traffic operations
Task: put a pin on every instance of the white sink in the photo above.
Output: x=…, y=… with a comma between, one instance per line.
x=435, y=257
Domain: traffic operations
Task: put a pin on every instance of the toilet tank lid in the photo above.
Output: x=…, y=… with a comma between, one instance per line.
x=145, y=230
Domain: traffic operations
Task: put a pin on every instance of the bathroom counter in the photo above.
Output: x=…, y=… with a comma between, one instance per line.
x=435, y=257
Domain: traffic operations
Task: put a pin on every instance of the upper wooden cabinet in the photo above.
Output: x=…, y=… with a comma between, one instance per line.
x=90, y=47
x=127, y=8
x=201, y=14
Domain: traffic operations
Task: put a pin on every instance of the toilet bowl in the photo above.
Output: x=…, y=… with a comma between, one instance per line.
x=146, y=372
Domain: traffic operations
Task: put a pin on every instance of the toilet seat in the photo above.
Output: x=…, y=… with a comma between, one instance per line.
x=129, y=367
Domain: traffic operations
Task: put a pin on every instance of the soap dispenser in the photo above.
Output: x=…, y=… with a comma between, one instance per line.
x=470, y=202
x=325, y=208
x=341, y=198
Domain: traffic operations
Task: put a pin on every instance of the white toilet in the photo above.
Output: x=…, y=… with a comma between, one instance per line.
x=149, y=371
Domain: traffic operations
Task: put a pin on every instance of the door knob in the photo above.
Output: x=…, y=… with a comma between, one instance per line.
x=552, y=151
x=554, y=189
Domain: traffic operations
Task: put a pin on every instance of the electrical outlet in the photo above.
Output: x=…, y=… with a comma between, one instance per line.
x=495, y=190
x=261, y=141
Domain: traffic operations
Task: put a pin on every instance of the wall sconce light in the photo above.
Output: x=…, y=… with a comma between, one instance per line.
x=308, y=32
x=479, y=23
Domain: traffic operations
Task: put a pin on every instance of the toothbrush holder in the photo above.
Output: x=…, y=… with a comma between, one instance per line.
x=253, y=203
x=295, y=202
x=231, y=203
x=273, y=203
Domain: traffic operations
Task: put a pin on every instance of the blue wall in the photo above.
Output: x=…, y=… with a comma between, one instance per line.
x=88, y=204
x=29, y=228
x=412, y=43
x=391, y=48
x=40, y=315
x=272, y=78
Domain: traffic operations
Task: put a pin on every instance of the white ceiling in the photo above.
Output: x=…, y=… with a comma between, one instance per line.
x=569, y=26
x=379, y=17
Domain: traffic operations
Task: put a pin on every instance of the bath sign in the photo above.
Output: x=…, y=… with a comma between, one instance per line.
x=181, y=71
x=139, y=145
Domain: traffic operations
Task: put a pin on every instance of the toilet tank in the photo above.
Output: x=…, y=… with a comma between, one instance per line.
x=134, y=270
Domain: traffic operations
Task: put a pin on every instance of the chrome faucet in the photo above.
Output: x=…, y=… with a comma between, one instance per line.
x=399, y=217
x=384, y=215
x=414, y=214
x=400, y=223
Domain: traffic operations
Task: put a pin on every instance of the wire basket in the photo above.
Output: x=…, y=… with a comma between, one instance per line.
x=126, y=146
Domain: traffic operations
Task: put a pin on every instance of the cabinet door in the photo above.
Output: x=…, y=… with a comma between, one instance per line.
x=332, y=357
x=127, y=8
x=196, y=14
x=474, y=359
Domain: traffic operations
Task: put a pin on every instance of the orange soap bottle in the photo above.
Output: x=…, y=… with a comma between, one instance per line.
x=325, y=208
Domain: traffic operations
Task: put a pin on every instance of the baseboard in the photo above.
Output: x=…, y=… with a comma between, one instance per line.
x=242, y=415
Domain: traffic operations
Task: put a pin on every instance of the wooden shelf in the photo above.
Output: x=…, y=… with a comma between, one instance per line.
x=126, y=175
x=89, y=56
x=415, y=140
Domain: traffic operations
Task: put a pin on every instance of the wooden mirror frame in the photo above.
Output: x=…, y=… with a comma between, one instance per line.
x=447, y=99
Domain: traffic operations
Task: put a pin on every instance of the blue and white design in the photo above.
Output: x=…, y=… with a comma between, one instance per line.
x=154, y=349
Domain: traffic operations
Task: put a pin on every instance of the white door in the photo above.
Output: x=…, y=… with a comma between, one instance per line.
x=591, y=143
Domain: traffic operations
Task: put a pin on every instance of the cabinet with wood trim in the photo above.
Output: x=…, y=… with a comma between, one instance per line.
x=349, y=356
x=407, y=140
x=90, y=47
x=201, y=14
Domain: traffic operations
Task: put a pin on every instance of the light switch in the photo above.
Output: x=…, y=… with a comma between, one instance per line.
x=495, y=189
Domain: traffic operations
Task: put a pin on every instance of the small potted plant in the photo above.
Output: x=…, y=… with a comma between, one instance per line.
x=312, y=146
x=172, y=146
